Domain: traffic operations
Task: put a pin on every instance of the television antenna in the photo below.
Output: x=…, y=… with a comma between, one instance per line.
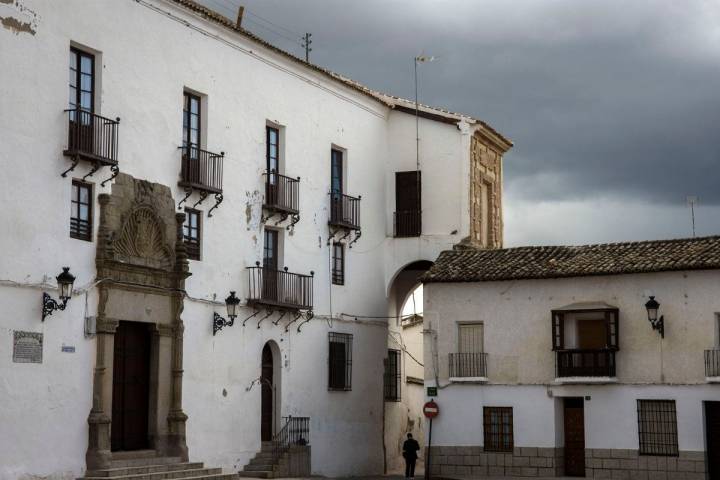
x=691, y=201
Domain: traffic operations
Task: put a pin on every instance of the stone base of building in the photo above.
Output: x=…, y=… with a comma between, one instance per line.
x=615, y=464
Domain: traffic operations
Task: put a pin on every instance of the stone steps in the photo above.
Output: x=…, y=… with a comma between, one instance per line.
x=143, y=461
x=124, y=471
x=166, y=475
x=146, y=465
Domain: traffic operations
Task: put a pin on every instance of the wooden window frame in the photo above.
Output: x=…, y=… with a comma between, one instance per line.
x=187, y=114
x=657, y=428
x=193, y=245
x=338, y=263
x=78, y=77
x=268, y=144
x=337, y=153
x=75, y=231
x=502, y=440
x=392, y=378
x=275, y=249
x=342, y=367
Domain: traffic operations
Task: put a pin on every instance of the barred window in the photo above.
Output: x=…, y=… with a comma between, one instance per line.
x=191, y=233
x=393, y=377
x=338, y=264
x=340, y=361
x=657, y=427
x=81, y=211
x=498, y=429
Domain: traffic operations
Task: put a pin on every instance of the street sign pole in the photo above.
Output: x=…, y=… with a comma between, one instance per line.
x=430, y=410
x=427, y=459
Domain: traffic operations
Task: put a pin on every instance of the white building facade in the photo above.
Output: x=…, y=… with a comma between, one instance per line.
x=546, y=362
x=233, y=167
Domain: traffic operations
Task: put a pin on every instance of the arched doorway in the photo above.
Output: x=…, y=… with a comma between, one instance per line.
x=267, y=400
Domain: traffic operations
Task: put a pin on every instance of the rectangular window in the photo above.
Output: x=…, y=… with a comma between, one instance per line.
x=270, y=249
x=82, y=80
x=392, y=376
x=191, y=233
x=498, y=429
x=191, y=123
x=336, y=172
x=657, y=427
x=338, y=264
x=470, y=338
x=81, y=211
x=340, y=361
x=273, y=149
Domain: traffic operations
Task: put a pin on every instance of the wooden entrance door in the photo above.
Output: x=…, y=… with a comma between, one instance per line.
x=407, y=204
x=266, y=404
x=574, y=437
x=131, y=387
x=712, y=438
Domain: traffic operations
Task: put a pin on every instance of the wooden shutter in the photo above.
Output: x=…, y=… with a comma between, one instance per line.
x=470, y=338
x=611, y=321
x=558, y=330
x=407, y=191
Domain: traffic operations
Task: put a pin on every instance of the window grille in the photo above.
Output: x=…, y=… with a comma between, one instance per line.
x=657, y=427
x=81, y=211
x=393, y=376
x=340, y=361
x=338, y=264
x=191, y=233
x=498, y=429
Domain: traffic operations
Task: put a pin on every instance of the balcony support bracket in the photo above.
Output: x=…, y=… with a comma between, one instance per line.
x=293, y=220
x=358, y=234
x=295, y=319
x=308, y=316
x=251, y=316
x=188, y=192
x=76, y=161
x=95, y=168
x=282, y=314
x=203, y=196
x=283, y=217
x=218, y=201
x=270, y=311
x=115, y=170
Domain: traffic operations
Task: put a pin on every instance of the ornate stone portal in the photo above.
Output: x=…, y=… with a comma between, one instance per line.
x=141, y=267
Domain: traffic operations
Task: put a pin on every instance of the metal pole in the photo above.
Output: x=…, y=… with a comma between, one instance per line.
x=428, y=456
x=417, y=121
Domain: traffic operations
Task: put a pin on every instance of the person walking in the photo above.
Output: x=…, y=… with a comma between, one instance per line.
x=410, y=449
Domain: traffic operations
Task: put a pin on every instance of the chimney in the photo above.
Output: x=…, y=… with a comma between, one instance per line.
x=241, y=10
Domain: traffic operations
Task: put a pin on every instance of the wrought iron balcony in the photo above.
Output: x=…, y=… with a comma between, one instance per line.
x=468, y=365
x=712, y=363
x=282, y=194
x=280, y=288
x=201, y=170
x=92, y=137
x=585, y=363
x=407, y=223
x=344, y=211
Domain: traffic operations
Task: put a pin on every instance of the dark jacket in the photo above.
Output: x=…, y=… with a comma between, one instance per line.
x=410, y=449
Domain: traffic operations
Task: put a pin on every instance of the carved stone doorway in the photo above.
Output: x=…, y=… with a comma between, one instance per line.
x=141, y=266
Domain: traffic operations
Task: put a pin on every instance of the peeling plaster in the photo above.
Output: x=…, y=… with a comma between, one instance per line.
x=17, y=18
x=253, y=210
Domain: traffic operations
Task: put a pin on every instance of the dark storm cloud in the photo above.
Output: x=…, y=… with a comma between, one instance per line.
x=602, y=98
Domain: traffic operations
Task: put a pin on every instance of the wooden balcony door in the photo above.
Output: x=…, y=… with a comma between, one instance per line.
x=712, y=439
x=270, y=266
x=407, y=204
x=574, y=420
x=82, y=101
x=131, y=387
x=273, y=165
x=266, y=403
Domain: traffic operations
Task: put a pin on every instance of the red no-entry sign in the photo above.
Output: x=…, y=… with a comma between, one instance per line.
x=431, y=409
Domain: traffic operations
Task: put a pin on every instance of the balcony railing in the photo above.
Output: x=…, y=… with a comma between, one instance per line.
x=344, y=211
x=92, y=137
x=464, y=365
x=408, y=223
x=712, y=363
x=295, y=432
x=280, y=288
x=201, y=169
x=282, y=193
x=585, y=363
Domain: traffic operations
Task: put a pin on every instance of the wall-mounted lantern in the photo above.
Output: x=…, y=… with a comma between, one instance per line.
x=219, y=322
x=65, y=284
x=652, y=307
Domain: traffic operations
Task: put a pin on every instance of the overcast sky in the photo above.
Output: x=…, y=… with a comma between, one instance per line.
x=613, y=105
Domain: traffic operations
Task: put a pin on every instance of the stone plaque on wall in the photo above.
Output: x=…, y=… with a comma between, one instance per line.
x=27, y=347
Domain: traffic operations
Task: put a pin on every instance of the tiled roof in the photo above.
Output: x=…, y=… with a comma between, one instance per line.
x=475, y=265
x=389, y=101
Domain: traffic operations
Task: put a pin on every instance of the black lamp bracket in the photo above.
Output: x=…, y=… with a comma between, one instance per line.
x=50, y=305
x=219, y=322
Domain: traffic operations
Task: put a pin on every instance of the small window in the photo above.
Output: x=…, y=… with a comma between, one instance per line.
x=81, y=211
x=657, y=427
x=191, y=233
x=498, y=429
x=340, y=362
x=392, y=376
x=338, y=264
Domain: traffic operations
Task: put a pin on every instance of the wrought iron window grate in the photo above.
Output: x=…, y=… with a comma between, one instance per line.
x=340, y=361
x=498, y=429
x=657, y=427
x=393, y=376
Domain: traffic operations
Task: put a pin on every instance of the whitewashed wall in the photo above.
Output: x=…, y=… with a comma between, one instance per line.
x=521, y=364
x=144, y=59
